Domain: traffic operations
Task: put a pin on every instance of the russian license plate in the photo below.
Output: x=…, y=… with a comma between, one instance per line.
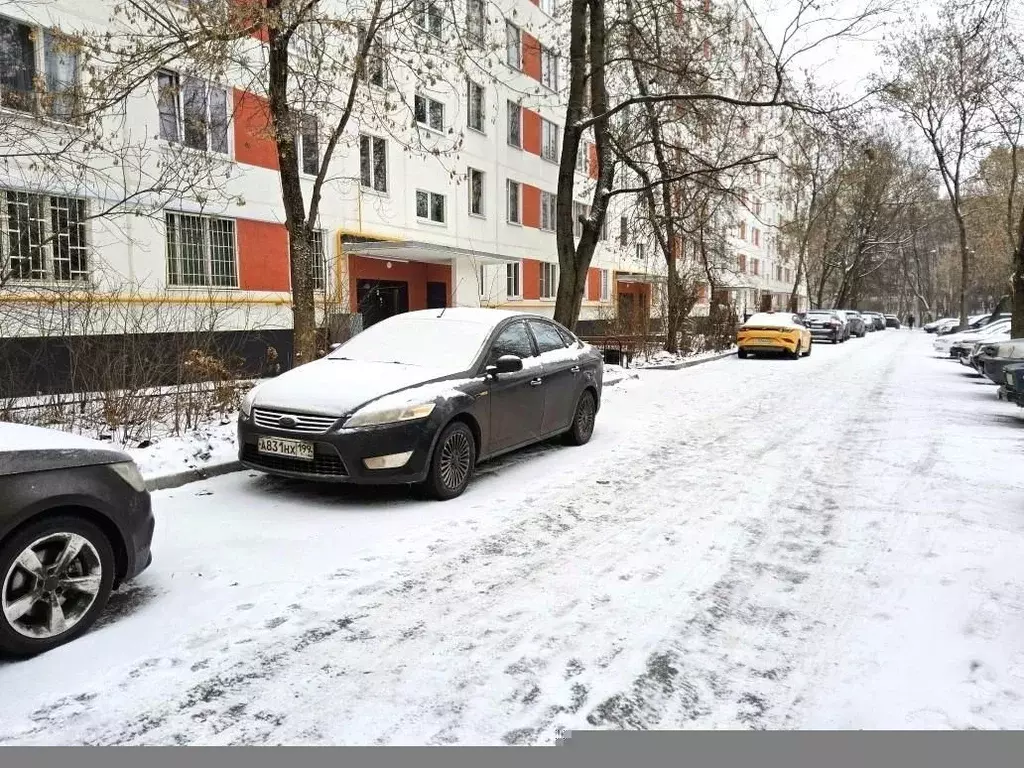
x=280, y=446
x=764, y=341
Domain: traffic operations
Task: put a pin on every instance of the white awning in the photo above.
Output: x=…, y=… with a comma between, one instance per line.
x=637, y=277
x=431, y=253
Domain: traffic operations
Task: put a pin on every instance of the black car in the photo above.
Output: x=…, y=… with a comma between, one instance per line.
x=75, y=523
x=891, y=321
x=826, y=324
x=423, y=396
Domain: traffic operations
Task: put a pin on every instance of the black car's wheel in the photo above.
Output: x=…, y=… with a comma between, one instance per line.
x=55, y=578
x=452, y=464
x=583, y=419
x=741, y=354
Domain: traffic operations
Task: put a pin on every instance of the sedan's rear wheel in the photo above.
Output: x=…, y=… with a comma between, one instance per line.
x=452, y=464
x=741, y=354
x=57, y=576
x=583, y=419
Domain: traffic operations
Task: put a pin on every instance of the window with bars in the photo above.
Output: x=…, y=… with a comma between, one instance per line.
x=549, y=68
x=476, y=192
x=515, y=202
x=428, y=112
x=192, y=112
x=548, y=280
x=430, y=206
x=513, y=272
x=549, y=141
x=319, y=260
x=476, y=21
x=606, y=288
x=513, y=46
x=475, y=102
x=23, y=48
x=429, y=17
x=44, y=237
x=309, y=145
x=201, y=251
x=373, y=163
x=515, y=124
x=547, y=211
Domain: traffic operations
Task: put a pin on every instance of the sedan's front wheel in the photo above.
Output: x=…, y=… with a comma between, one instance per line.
x=583, y=420
x=452, y=464
x=56, y=577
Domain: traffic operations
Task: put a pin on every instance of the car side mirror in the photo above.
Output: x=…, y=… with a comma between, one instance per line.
x=505, y=364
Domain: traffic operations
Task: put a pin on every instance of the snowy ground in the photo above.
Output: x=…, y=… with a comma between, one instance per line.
x=832, y=542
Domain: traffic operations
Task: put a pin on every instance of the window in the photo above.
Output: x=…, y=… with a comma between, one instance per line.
x=547, y=211
x=430, y=17
x=605, y=284
x=757, y=177
x=579, y=212
x=742, y=232
x=549, y=68
x=778, y=272
x=755, y=266
x=515, y=124
x=514, y=340
x=309, y=145
x=742, y=261
x=513, y=46
x=549, y=141
x=58, y=93
x=623, y=230
x=373, y=66
x=512, y=280
x=548, y=280
x=755, y=235
x=476, y=192
x=430, y=206
x=482, y=277
x=639, y=252
x=757, y=207
x=583, y=157
x=515, y=203
x=192, y=112
x=200, y=251
x=548, y=6
x=428, y=113
x=373, y=163
x=475, y=104
x=319, y=260
x=476, y=21
x=43, y=237
x=546, y=335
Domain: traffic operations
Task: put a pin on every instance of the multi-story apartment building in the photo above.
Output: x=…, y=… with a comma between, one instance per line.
x=446, y=199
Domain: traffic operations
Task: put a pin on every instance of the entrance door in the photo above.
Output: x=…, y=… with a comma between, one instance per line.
x=381, y=299
x=437, y=295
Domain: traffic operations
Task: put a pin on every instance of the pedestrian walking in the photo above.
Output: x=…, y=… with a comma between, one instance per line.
x=910, y=322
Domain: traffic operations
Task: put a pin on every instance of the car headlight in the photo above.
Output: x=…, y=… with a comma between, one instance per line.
x=128, y=472
x=245, y=407
x=374, y=415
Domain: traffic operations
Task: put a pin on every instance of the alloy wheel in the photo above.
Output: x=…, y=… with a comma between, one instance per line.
x=51, y=585
x=456, y=460
x=585, y=416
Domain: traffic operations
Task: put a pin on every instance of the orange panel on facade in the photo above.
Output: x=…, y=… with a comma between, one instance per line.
x=254, y=143
x=531, y=56
x=593, y=284
x=246, y=13
x=593, y=161
x=531, y=131
x=531, y=206
x=262, y=256
x=531, y=279
x=415, y=273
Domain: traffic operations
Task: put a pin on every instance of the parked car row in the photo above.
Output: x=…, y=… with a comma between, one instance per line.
x=960, y=344
x=794, y=333
x=990, y=351
x=947, y=325
x=418, y=399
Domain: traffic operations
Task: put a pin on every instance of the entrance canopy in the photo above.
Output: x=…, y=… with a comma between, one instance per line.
x=637, y=277
x=431, y=253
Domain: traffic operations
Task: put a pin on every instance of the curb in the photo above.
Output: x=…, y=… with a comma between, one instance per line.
x=178, y=479
x=688, y=363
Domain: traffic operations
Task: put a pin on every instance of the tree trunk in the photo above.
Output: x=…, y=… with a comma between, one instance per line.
x=1017, y=312
x=965, y=267
x=673, y=321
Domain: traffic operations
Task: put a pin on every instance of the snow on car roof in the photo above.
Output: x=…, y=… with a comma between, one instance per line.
x=479, y=315
x=23, y=437
x=772, y=320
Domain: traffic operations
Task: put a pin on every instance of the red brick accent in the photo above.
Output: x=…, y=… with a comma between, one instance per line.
x=245, y=12
x=531, y=206
x=531, y=56
x=254, y=144
x=416, y=273
x=531, y=131
x=593, y=284
x=531, y=279
x=594, y=171
x=262, y=256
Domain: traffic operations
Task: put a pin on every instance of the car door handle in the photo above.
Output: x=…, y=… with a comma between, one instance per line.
x=536, y=382
x=574, y=369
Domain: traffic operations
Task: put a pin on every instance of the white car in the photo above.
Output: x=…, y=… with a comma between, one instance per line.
x=944, y=344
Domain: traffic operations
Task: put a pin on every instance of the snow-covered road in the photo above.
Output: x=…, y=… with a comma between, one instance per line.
x=833, y=542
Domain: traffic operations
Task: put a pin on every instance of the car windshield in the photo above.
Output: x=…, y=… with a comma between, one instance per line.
x=428, y=342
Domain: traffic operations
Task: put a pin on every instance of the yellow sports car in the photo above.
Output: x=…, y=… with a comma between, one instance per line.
x=774, y=332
